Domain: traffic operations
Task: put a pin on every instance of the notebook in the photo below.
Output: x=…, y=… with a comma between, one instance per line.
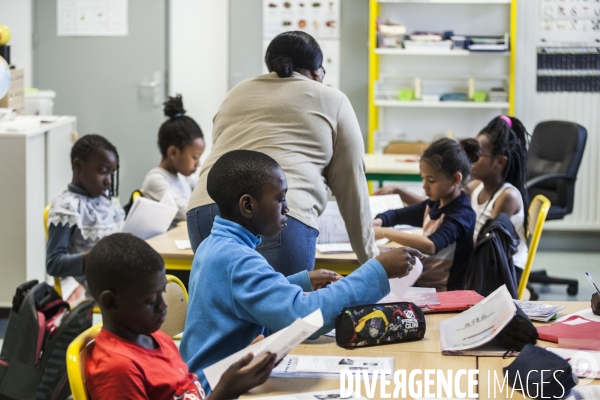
x=148, y=218
x=456, y=300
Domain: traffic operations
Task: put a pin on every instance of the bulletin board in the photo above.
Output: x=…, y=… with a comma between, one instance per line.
x=320, y=19
x=570, y=22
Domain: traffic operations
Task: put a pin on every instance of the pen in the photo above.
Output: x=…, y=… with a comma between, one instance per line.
x=592, y=282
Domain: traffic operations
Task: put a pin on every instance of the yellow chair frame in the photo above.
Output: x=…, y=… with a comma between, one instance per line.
x=171, y=279
x=538, y=211
x=76, y=355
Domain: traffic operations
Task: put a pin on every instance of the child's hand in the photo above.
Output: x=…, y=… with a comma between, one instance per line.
x=377, y=222
x=241, y=377
x=386, y=190
x=596, y=303
x=399, y=262
x=322, y=277
x=379, y=232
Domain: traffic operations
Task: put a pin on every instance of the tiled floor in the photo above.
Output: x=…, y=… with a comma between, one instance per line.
x=559, y=264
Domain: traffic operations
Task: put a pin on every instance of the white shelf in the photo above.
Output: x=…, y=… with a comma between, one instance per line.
x=440, y=104
x=448, y=1
x=445, y=53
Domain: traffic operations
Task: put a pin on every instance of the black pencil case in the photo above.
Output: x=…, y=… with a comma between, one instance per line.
x=379, y=324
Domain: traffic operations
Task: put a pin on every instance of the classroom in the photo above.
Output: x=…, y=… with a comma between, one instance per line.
x=291, y=199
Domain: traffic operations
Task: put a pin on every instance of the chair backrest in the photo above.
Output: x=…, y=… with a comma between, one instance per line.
x=406, y=148
x=77, y=353
x=57, y=285
x=538, y=210
x=556, y=148
x=134, y=195
x=177, y=298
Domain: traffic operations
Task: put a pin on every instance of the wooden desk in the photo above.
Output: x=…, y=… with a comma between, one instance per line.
x=392, y=167
x=429, y=357
x=181, y=260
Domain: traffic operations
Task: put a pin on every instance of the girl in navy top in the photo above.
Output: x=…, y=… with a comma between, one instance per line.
x=447, y=218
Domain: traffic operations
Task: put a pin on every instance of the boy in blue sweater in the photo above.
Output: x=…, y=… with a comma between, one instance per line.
x=235, y=294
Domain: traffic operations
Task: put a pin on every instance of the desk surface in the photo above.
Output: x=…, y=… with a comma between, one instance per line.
x=429, y=357
x=391, y=164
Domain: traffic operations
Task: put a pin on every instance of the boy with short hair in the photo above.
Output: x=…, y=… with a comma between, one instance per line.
x=234, y=292
x=131, y=358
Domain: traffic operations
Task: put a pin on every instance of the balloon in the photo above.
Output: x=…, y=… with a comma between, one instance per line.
x=4, y=35
x=5, y=77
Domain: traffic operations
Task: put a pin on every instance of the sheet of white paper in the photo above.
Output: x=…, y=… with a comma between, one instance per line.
x=301, y=366
x=581, y=369
x=148, y=218
x=183, y=244
x=331, y=224
x=326, y=394
x=400, y=287
x=577, y=321
x=479, y=324
x=92, y=18
x=279, y=343
x=587, y=314
x=338, y=248
x=168, y=200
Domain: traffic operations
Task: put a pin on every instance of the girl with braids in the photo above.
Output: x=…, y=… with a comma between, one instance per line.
x=87, y=211
x=499, y=178
x=446, y=215
x=181, y=144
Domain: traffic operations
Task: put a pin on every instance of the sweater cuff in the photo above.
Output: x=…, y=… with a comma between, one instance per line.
x=380, y=273
x=301, y=279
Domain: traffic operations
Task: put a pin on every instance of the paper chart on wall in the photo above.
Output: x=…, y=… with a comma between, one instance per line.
x=573, y=22
x=92, y=18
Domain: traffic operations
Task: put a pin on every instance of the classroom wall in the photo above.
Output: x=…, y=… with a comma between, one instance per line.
x=198, y=57
x=16, y=14
x=582, y=108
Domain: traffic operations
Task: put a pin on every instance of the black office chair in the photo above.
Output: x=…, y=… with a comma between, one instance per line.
x=553, y=160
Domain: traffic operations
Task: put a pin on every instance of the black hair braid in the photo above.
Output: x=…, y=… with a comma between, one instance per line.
x=511, y=143
x=179, y=130
x=86, y=145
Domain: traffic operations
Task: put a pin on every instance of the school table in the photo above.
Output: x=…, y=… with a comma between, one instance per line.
x=392, y=167
x=405, y=354
x=181, y=260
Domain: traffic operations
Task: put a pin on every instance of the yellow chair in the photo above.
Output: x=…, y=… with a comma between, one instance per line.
x=538, y=210
x=77, y=353
x=177, y=298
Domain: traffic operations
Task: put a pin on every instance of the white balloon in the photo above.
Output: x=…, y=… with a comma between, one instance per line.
x=4, y=77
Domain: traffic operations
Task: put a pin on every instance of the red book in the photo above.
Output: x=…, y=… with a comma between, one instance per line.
x=455, y=300
x=573, y=327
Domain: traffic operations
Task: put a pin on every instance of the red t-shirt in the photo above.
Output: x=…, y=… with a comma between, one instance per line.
x=117, y=368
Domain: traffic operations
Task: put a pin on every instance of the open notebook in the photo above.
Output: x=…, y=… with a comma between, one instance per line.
x=148, y=218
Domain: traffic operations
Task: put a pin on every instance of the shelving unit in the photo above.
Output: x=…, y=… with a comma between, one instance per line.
x=422, y=120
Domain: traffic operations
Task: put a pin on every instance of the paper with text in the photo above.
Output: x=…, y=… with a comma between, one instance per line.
x=279, y=343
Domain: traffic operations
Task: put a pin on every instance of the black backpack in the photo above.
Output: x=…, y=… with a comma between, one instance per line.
x=40, y=328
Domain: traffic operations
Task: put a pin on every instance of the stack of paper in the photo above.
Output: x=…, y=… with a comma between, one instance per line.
x=538, y=311
x=293, y=366
x=326, y=394
x=279, y=343
x=472, y=332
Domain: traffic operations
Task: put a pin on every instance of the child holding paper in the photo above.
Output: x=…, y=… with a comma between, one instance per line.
x=131, y=358
x=234, y=292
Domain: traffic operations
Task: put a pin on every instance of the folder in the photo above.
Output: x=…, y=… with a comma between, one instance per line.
x=574, y=327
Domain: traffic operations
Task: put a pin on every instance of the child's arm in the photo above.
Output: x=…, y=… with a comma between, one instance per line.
x=411, y=215
x=509, y=202
x=419, y=242
x=241, y=377
x=407, y=197
x=58, y=260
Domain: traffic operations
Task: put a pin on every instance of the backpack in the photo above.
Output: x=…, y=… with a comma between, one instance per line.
x=40, y=328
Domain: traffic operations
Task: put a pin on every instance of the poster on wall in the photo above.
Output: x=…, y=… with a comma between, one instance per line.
x=570, y=22
x=568, y=69
x=92, y=17
x=320, y=19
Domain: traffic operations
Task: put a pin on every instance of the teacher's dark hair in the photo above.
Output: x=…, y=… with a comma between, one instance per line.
x=293, y=50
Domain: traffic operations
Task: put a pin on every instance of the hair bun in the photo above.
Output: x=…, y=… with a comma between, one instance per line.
x=174, y=107
x=472, y=149
x=283, y=65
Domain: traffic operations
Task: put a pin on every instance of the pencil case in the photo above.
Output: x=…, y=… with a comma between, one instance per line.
x=379, y=324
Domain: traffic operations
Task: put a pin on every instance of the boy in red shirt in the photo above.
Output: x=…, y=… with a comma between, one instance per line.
x=131, y=358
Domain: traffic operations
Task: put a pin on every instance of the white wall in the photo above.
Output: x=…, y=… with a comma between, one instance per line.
x=16, y=14
x=532, y=107
x=199, y=57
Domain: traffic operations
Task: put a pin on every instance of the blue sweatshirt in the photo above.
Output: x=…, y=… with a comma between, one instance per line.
x=456, y=227
x=234, y=293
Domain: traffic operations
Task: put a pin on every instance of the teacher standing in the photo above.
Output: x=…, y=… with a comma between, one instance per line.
x=312, y=132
